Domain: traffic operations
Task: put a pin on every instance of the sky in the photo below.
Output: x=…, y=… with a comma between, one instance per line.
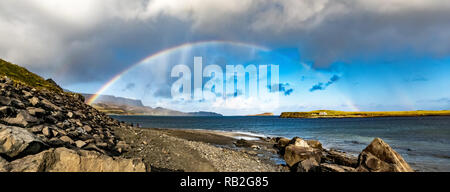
x=352, y=55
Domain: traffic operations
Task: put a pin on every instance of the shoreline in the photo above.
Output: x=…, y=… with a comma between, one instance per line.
x=168, y=150
x=416, y=154
x=193, y=150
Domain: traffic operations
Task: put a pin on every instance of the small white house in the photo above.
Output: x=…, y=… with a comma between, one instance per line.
x=323, y=113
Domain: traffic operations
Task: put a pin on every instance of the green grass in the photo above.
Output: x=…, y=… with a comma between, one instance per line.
x=345, y=114
x=22, y=75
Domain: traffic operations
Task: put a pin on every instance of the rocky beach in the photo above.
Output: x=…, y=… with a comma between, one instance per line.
x=205, y=150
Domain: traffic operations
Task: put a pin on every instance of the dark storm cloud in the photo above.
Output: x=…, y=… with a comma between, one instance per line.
x=99, y=39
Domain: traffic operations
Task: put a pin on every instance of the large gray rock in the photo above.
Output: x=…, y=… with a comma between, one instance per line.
x=49, y=105
x=5, y=101
x=23, y=119
x=37, y=112
x=282, y=143
x=294, y=154
x=299, y=142
x=378, y=156
x=308, y=165
x=314, y=144
x=341, y=158
x=16, y=141
x=34, y=101
x=66, y=160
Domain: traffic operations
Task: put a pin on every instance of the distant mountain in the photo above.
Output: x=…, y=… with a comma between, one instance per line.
x=204, y=113
x=109, y=99
x=124, y=106
x=121, y=109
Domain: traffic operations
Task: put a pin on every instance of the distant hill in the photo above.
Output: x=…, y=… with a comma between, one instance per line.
x=204, y=113
x=121, y=109
x=20, y=74
x=105, y=99
x=263, y=114
x=345, y=114
x=124, y=106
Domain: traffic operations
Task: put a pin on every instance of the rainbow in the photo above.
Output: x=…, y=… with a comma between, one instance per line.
x=166, y=52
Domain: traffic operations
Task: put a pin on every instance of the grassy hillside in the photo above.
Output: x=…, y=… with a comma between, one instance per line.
x=20, y=74
x=344, y=114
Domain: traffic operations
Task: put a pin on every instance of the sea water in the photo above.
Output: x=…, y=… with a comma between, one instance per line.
x=424, y=142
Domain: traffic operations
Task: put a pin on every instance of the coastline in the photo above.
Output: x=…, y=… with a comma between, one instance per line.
x=188, y=150
x=168, y=150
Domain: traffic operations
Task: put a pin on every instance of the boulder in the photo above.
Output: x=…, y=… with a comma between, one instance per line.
x=49, y=105
x=341, y=158
x=36, y=129
x=87, y=128
x=66, y=139
x=80, y=144
x=32, y=163
x=47, y=132
x=5, y=101
x=314, y=144
x=282, y=143
x=69, y=114
x=34, y=101
x=378, y=156
x=23, y=119
x=26, y=94
x=327, y=167
x=16, y=142
x=294, y=154
x=308, y=165
x=66, y=160
x=299, y=142
x=37, y=112
x=55, y=132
